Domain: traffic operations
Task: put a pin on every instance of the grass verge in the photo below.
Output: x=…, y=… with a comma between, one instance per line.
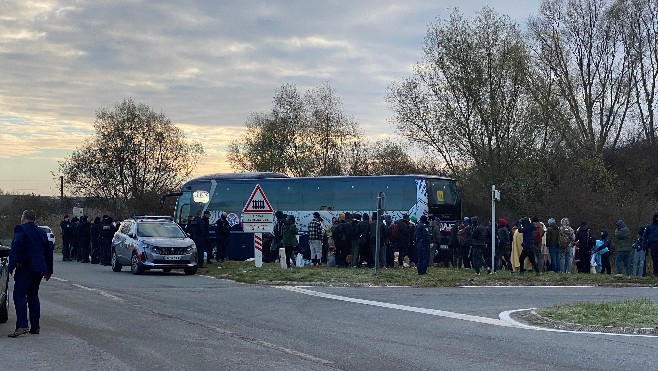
x=627, y=313
x=271, y=273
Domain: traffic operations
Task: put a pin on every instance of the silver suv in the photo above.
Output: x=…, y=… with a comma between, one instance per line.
x=153, y=242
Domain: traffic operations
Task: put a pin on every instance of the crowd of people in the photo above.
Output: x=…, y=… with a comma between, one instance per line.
x=527, y=244
x=87, y=242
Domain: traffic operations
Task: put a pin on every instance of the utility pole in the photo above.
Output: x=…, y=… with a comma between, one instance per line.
x=495, y=196
x=378, y=236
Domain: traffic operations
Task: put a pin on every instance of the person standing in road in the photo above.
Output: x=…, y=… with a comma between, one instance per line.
x=31, y=257
x=67, y=238
x=95, y=232
x=84, y=239
x=315, y=234
x=105, y=240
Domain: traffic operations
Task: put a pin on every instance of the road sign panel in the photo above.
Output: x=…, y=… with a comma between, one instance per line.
x=257, y=218
x=257, y=202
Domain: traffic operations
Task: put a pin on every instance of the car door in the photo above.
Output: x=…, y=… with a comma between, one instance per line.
x=123, y=241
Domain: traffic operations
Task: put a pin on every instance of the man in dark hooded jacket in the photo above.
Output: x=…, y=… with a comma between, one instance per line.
x=84, y=239
x=585, y=243
x=95, y=231
x=651, y=242
x=527, y=228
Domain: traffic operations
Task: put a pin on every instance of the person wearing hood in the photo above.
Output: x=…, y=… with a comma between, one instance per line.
x=651, y=242
x=479, y=242
x=585, y=244
x=566, y=244
x=423, y=238
x=604, y=250
x=639, y=252
x=84, y=239
x=622, y=243
x=95, y=232
x=289, y=238
x=527, y=229
x=553, y=243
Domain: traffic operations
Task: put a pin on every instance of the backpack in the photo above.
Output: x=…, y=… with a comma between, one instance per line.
x=537, y=235
x=393, y=229
x=563, y=240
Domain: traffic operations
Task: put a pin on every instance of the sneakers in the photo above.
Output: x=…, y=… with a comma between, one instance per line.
x=34, y=331
x=18, y=332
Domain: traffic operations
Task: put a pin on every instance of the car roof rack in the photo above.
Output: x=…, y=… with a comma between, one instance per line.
x=152, y=217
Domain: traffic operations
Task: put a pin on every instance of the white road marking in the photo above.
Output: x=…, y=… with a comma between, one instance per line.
x=101, y=292
x=524, y=287
x=506, y=317
x=59, y=279
x=433, y=312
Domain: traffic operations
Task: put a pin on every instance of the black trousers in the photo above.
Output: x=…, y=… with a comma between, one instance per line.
x=528, y=252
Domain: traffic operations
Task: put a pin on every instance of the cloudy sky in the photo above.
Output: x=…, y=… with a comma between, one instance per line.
x=206, y=64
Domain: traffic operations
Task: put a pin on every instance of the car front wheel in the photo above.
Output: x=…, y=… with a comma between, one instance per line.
x=135, y=266
x=116, y=266
x=190, y=271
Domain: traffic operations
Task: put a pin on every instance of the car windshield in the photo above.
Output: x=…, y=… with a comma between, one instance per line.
x=45, y=228
x=162, y=230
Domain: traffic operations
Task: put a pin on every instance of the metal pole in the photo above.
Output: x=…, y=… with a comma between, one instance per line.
x=493, y=226
x=378, y=231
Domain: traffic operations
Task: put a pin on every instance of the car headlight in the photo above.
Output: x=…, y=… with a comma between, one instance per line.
x=190, y=248
x=153, y=248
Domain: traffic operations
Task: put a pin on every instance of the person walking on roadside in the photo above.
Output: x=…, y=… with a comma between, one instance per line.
x=67, y=238
x=623, y=244
x=651, y=242
x=30, y=260
x=315, y=234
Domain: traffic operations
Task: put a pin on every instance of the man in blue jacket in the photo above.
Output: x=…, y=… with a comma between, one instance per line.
x=32, y=258
x=651, y=242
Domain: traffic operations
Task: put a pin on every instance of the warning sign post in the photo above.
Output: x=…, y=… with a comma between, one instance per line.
x=257, y=218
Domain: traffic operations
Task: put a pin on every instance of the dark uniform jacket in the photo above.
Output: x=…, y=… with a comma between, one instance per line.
x=31, y=248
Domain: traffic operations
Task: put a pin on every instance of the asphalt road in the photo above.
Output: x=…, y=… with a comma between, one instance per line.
x=95, y=319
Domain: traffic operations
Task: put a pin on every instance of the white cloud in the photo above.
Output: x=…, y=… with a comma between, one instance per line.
x=206, y=64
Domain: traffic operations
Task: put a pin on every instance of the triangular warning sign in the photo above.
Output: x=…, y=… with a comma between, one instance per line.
x=257, y=203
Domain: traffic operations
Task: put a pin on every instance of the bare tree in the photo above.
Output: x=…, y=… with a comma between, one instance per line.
x=580, y=44
x=638, y=20
x=470, y=102
x=301, y=136
x=135, y=152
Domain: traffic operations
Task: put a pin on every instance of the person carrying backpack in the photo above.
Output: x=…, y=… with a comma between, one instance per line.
x=566, y=239
x=553, y=243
